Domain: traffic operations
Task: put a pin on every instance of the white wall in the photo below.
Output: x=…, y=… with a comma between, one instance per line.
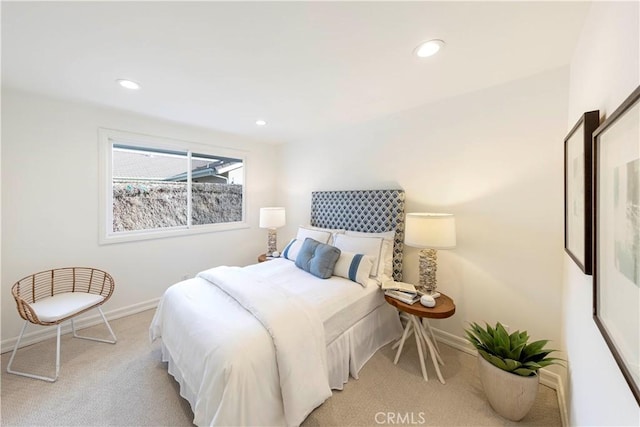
x=494, y=159
x=605, y=69
x=50, y=202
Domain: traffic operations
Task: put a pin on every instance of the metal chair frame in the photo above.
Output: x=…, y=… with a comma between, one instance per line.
x=54, y=282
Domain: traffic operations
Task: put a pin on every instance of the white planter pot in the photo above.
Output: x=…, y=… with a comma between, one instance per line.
x=510, y=395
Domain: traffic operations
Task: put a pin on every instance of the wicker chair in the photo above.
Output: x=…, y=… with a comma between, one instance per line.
x=51, y=297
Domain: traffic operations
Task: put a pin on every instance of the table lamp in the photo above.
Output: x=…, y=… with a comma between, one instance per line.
x=272, y=218
x=429, y=232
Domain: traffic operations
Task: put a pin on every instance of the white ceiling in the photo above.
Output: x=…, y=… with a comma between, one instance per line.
x=302, y=66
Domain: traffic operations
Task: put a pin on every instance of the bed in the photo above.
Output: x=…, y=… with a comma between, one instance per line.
x=266, y=343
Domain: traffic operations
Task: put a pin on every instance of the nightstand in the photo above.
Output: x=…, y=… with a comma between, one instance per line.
x=418, y=325
x=264, y=257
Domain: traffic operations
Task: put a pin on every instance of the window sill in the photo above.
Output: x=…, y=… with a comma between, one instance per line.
x=135, y=236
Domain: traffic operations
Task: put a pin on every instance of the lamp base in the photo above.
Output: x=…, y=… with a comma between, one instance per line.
x=271, y=242
x=428, y=266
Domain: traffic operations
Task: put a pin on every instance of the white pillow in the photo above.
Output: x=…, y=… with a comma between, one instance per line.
x=333, y=231
x=355, y=267
x=371, y=246
x=319, y=234
x=292, y=249
x=386, y=260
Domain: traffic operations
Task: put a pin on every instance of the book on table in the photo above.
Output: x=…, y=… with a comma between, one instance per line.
x=401, y=291
x=405, y=297
x=392, y=285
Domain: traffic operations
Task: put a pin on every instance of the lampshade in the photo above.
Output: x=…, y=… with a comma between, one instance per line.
x=430, y=231
x=272, y=217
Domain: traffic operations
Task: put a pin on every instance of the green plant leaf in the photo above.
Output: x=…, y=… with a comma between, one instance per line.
x=531, y=350
x=485, y=336
x=473, y=339
x=541, y=355
x=516, y=351
x=502, y=338
x=490, y=330
x=512, y=364
x=551, y=361
x=524, y=372
x=532, y=365
x=514, y=340
x=501, y=351
x=496, y=361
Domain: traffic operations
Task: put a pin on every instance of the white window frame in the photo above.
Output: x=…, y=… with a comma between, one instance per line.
x=108, y=137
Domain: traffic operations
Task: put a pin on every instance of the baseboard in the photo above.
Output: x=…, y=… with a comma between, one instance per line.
x=547, y=378
x=562, y=402
x=44, y=333
x=455, y=341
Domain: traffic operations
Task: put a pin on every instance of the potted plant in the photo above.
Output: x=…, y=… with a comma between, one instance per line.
x=509, y=367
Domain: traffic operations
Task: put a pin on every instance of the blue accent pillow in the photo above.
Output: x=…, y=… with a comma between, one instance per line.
x=317, y=258
x=291, y=251
x=355, y=267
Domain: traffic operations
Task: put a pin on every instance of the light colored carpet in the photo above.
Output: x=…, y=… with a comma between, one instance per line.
x=126, y=384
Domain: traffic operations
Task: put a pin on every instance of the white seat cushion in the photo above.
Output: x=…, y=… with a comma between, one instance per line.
x=59, y=306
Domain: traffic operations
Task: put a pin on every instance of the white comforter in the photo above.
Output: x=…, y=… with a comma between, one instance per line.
x=268, y=368
x=297, y=334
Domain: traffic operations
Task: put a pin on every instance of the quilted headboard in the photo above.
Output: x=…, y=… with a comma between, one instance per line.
x=372, y=211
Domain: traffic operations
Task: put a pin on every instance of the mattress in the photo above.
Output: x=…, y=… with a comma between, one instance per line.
x=339, y=302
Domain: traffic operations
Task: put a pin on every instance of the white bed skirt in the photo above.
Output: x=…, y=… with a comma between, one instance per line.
x=346, y=355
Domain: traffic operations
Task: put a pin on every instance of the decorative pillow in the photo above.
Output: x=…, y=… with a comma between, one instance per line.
x=371, y=246
x=355, y=267
x=317, y=258
x=386, y=260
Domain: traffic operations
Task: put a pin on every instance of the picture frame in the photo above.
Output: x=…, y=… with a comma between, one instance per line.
x=616, y=234
x=578, y=194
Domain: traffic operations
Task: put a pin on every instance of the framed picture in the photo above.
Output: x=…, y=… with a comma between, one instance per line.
x=616, y=264
x=578, y=195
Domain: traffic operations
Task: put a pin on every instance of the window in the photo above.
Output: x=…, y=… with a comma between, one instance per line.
x=156, y=187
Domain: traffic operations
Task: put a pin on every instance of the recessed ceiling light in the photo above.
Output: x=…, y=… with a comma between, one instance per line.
x=428, y=48
x=128, y=84
x=261, y=122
